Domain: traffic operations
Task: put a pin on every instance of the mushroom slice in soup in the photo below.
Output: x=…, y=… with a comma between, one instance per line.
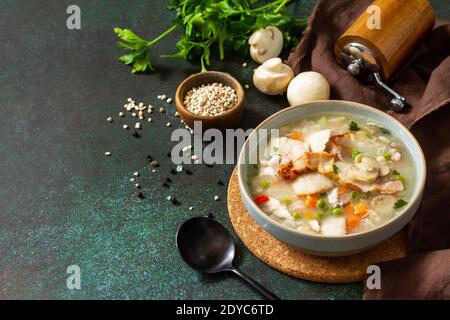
x=312, y=183
x=391, y=187
x=383, y=204
x=320, y=161
x=354, y=174
x=366, y=163
x=318, y=140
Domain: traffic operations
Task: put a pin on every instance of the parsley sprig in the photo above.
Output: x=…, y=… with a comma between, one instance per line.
x=209, y=24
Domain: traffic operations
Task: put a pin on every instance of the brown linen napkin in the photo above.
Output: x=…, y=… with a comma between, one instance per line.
x=426, y=85
x=426, y=278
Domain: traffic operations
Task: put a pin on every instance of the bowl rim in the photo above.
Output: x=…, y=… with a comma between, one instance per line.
x=239, y=92
x=416, y=197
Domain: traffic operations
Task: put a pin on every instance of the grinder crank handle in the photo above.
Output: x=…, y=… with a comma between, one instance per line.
x=398, y=103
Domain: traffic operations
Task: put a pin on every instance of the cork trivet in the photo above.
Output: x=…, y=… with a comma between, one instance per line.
x=285, y=259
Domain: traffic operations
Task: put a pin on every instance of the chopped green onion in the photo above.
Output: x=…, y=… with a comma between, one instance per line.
x=321, y=204
x=400, y=203
x=355, y=195
x=353, y=126
x=366, y=195
x=385, y=131
x=323, y=121
x=264, y=184
x=398, y=176
x=387, y=155
x=355, y=153
x=287, y=201
x=335, y=169
x=336, y=212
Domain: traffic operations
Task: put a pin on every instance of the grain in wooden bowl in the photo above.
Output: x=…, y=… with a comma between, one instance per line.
x=220, y=85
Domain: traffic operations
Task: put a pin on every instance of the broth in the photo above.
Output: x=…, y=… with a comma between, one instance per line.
x=333, y=175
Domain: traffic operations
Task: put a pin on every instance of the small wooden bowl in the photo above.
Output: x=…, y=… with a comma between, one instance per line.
x=227, y=119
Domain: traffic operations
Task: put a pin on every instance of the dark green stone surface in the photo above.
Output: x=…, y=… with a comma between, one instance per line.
x=62, y=202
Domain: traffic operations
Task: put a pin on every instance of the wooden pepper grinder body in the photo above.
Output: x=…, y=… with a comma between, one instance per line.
x=403, y=25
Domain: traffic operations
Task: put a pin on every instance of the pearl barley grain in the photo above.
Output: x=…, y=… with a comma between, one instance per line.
x=211, y=99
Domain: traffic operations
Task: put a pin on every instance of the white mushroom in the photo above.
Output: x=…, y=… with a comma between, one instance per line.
x=355, y=174
x=366, y=163
x=383, y=204
x=265, y=43
x=306, y=87
x=273, y=77
x=385, y=170
x=392, y=187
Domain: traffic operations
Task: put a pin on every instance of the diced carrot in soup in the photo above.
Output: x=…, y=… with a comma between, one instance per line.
x=352, y=221
x=349, y=209
x=310, y=202
x=342, y=190
x=360, y=209
x=296, y=135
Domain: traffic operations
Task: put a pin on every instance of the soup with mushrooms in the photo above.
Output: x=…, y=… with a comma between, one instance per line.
x=333, y=175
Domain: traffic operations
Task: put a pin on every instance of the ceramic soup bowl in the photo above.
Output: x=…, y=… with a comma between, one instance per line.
x=350, y=243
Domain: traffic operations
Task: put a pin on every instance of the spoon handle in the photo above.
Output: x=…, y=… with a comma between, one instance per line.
x=263, y=291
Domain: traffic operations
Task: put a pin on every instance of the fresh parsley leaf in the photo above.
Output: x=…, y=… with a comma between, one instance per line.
x=385, y=131
x=399, y=177
x=355, y=153
x=355, y=195
x=335, y=169
x=400, y=203
x=353, y=126
x=212, y=24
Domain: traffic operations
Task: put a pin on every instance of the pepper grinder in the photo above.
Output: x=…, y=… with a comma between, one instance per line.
x=382, y=40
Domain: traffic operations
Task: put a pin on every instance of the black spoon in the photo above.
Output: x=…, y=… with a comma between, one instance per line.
x=207, y=246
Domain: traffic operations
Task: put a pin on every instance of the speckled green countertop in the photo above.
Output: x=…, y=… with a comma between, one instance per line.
x=62, y=202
